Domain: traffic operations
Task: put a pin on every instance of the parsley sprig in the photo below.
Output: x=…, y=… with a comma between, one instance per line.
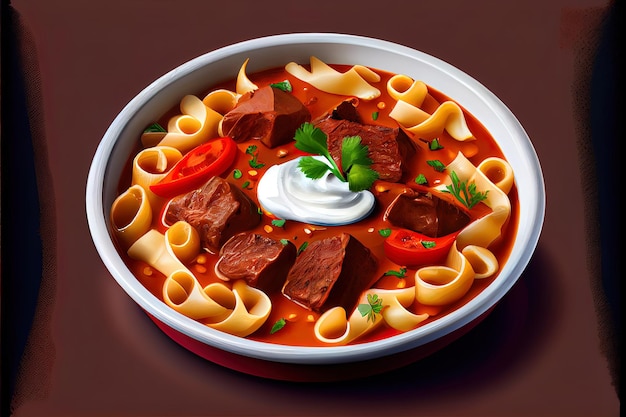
x=374, y=306
x=355, y=163
x=466, y=194
x=254, y=162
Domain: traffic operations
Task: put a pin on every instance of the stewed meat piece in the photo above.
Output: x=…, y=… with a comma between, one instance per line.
x=218, y=210
x=262, y=261
x=268, y=114
x=331, y=272
x=426, y=213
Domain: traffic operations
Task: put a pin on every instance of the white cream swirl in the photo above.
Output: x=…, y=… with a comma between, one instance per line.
x=288, y=194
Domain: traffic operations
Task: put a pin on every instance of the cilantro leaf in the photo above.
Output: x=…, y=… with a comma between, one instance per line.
x=436, y=164
x=252, y=151
x=421, y=179
x=400, y=274
x=361, y=177
x=353, y=153
x=312, y=168
x=278, y=222
x=374, y=306
x=283, y=85
x=154, y=127
x=434, y=145
x=311, y=139
x=302, y=247
x=278, y=325
x=355, y=161
x=466, y=194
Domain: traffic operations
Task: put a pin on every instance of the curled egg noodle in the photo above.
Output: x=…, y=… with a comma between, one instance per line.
x=482, y=232
x=354, y=82
x=150, y=166
x=407, y=112
x=334, y=327
x=131, y=215
x=197, y=124
x=239, y=311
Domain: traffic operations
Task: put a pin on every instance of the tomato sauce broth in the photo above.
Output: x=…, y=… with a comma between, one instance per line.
x=299, y=331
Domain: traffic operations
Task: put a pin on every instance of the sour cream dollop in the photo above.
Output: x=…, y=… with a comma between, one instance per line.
x=288, y=194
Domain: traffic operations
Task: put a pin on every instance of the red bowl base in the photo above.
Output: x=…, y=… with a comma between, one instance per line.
x=312, y=373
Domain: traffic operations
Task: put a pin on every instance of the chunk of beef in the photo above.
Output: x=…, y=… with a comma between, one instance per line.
x=268, y=114
x=218, y=210
x=331, y=272
x=262, y=261
x=426, y=213
x=346, y=111
x=388, y=148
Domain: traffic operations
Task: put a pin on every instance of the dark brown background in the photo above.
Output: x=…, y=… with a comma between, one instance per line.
x=545, y=351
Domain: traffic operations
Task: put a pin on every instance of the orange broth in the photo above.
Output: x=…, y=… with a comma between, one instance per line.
x=300, y=321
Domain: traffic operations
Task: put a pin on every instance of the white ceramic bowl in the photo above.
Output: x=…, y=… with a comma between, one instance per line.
x=302, y=363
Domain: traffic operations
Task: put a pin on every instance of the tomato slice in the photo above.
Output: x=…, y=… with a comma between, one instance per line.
x=412, y=249
x=196, y=167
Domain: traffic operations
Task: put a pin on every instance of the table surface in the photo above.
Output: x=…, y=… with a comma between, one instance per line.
x=544, y=351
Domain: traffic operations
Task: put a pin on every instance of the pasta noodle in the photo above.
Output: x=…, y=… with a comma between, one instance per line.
x=484, y=262
x=499, y=172
x=441, y=285
x=183, y=293
x=184, y=241
x=354, y=82
x=483, y=231
x=407, y=112
x=131, y=215
x=333, y=326
x=251, y=310
x=150, y=166
x=448, y=116
x=402, y=87
x=197, y=124
x=395, y=308
x=153, y=249
x=244, y=85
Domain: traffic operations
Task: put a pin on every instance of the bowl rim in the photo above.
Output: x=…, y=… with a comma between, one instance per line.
x=96, y=216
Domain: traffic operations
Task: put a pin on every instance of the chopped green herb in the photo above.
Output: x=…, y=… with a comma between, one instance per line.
x=302, y=247
x=384, y=232
x=254, y=163
x=400, y=274
x=245, y=184
x=278, y=222
x=154, y=127
x=375, y=115
x=285, y=242
x=428, y=244
x=278, y=325
x=421, y=179
x=283, y=85
x=466, y=194
x=237, y=174
x=437, y=165
x=434, y=145
x=374, y=306
x=354, y=160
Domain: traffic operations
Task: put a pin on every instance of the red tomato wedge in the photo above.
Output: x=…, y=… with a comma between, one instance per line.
x=412, y=249
x=196, y=167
